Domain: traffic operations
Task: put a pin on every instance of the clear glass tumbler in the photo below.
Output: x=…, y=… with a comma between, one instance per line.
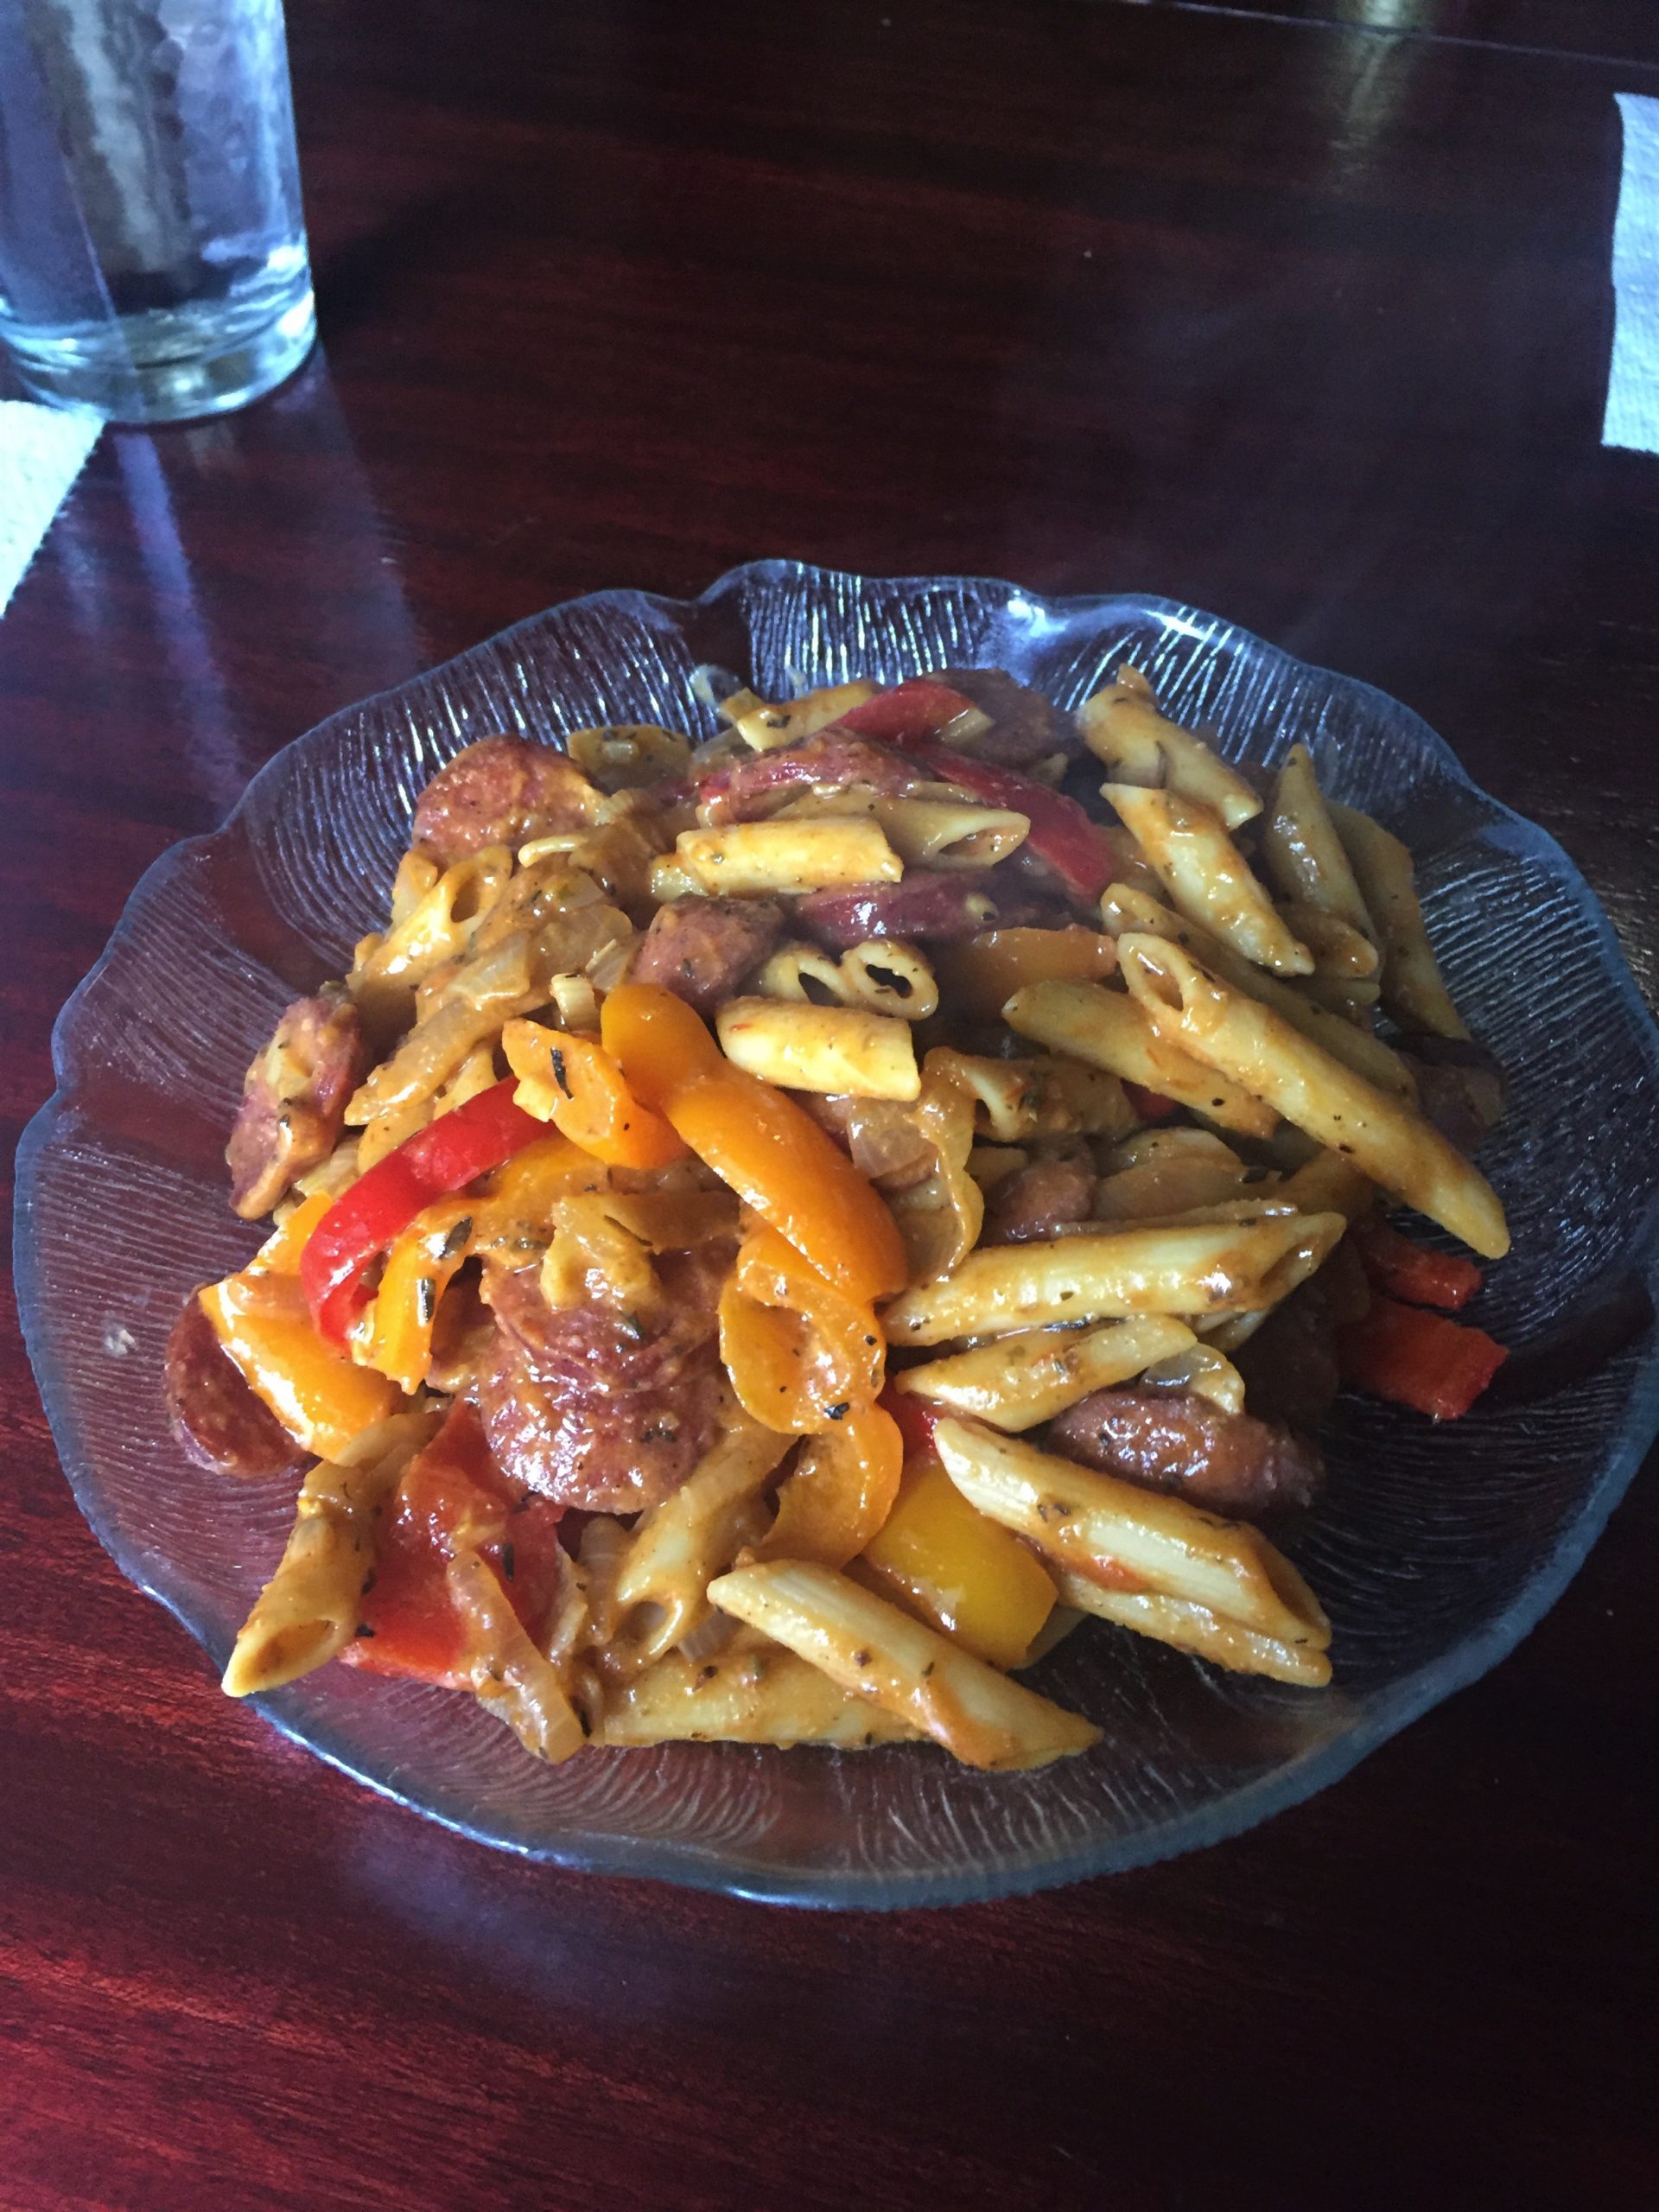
x=153, y=261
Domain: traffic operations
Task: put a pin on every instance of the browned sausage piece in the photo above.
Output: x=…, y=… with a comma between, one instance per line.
x=1024, y=726
x=828, y=760
x=502, y=790
x=1178, y=1441
x=701, y=948
x=1040, y=1199
x=1460, y=1086
x=294, y=1100
x=602, y=1409
x=213, y=1412
x=932, y=909
x=1289, y=1365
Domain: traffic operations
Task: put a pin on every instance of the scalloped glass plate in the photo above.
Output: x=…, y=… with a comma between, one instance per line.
x=1434, y=1549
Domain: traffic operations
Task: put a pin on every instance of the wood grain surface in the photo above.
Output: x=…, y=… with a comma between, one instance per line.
x=1300, y=317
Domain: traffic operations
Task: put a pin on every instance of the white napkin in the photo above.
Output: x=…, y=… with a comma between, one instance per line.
x=41, y=450
x=1632, y=416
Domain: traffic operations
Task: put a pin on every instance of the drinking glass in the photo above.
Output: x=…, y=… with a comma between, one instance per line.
x=153, y=261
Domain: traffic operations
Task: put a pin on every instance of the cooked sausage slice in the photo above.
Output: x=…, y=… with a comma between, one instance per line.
x=1041, y=1199
x=1024, y=726
x=701, y=948
x=1178, y=1441
x=830, y=760
x=598, y=1409
x=1289, y=1365
x=931, y=909
x=294, y=1100
x=1460, y=1086
x=502, y=790
x=213, y=1412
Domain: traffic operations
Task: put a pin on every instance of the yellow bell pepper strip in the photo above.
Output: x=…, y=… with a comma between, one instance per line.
x=574, y=1083
x=280, y=1253
x=964, y=1575
x=521, y=1194
x=419, y=1267
x=759, y=1142
x=984, y=974
x=321, y=1398
x=801, y=1356
x=840, y=1492
x=512, y=1215
x=445, y=1156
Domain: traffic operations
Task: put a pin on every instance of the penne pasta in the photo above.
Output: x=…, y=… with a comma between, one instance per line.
x=1385, y=1140
x=1163, y=1171
x=762, y=1695
x=1303, y=854
x=949, y=833
x=1204, y=1369
x=886, y=977
x=627, y=756
x=1018, y=1381
x=1413, y=990
x=311, y=1607
x=436, y=928
x=670, y=878
x=1106, y=1029
x=752, y=859
x=1194, y=1628
x=873, y=1650
x=1189, y=1267
x=1205, y=875
x=767, y=728
x=679, y=1547
x=1122, y=727
x=1099, y=1529
x=1124, y=909
x=821, y=1048
x=1339, y=951
x=505, y=1671
x=1329, y=1184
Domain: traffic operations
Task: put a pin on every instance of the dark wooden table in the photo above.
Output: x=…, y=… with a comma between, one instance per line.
x=1300, y=313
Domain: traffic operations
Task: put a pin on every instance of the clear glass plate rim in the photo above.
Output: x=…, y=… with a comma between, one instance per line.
x=686, y=1864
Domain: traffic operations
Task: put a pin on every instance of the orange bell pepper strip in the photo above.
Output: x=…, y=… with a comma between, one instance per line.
x=320, y=1396
x=660, y=1045
x=423, y=1261
x=800, y=1355
x=984, y=974
x=840, y=1492
x=963, y=1574
x=260, y=1316
x=574, y=1083
x=759, y=1142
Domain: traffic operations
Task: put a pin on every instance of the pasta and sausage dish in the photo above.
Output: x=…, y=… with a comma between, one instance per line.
x=773, y=1234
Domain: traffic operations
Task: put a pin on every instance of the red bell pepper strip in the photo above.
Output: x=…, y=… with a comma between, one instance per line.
x=1150, y=1105
x=1418, y=1359
x=452, y=1493
x=1062, y=832
x=444, y=1156
x=916, y=1417
x=911, y=711
x=1396, y=1265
